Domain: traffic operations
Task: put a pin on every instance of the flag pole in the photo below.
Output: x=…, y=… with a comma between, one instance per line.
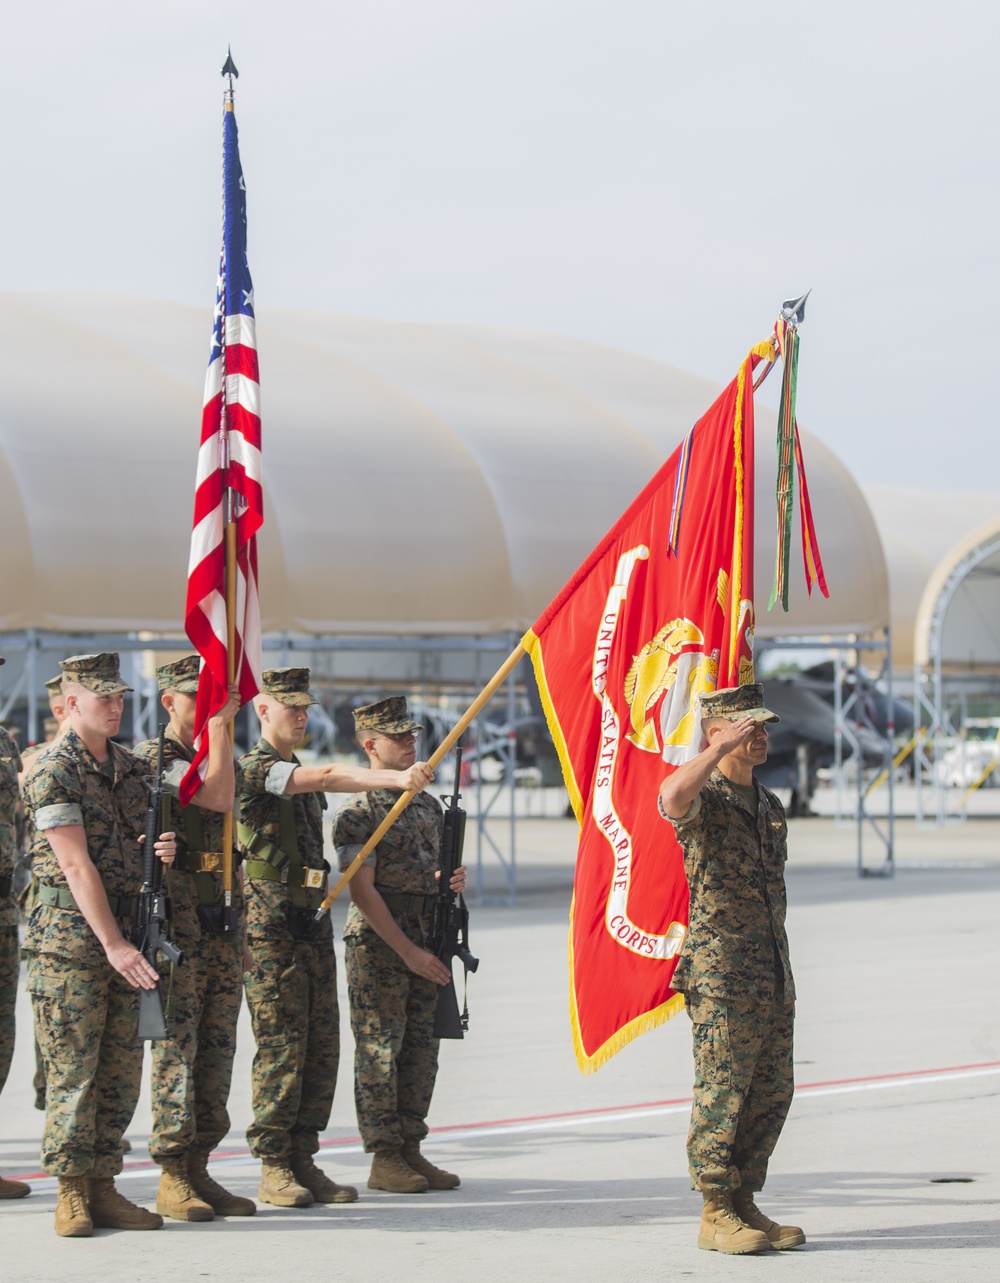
x=228, y=69
x=227, y=819
x=404, y=799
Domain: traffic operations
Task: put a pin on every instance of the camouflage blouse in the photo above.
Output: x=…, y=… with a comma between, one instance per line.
x=264, y=779
x=185, y=821
x=10, y=764
x=67, y=786
x=736, y=945
x=408, y=856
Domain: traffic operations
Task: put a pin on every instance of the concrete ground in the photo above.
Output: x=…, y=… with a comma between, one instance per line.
x=889, y=1159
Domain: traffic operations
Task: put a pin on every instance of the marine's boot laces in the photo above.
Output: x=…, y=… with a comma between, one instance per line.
x=175, y=1196
x=722, y=1230
x=72, y=1211
x=779, y=1236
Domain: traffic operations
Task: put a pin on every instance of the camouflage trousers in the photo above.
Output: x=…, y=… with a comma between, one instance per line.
x=742, y=1089
x=193, y=1069
x=395, y=1051
x=86, y=1023
x=291, y=990
x=10, y=963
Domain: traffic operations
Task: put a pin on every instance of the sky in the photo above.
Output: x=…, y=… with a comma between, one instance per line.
x=649, y=175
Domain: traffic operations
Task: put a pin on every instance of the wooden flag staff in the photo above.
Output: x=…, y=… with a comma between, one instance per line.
x=227, y=819
x=404, y=800
x=229, y=532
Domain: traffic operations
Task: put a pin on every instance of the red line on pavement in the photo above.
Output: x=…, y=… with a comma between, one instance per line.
x=609, y=1110
x=906, y=1073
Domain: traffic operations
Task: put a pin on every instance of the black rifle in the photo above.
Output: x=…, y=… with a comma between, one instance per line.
x=450, y=927
x=152, y=911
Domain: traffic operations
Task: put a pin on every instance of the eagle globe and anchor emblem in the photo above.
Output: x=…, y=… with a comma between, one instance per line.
x=674, y=666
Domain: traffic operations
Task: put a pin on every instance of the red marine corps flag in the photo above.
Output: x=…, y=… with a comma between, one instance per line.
x=222, y=616
x=660, y=612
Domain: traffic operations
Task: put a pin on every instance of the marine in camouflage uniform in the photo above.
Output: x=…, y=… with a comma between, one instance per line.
x=28, y=896
x=192, y=1070
x=734, y=969
x=87, y=798
x=291, y=986
x=392, y=977
x=10, y=766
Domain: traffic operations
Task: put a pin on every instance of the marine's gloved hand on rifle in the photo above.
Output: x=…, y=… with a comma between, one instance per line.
x=124, y=955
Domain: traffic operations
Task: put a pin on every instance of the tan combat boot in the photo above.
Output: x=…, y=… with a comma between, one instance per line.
x=319, y=1184
x=779, y=1236
x=721, y=1230
x=279, y=1187
x=13, y=1189
x=219, y=1199
x=72, y=1213
x=436, y=1177
x=390, y=1171
x=110, y=1210
x=176, y=1198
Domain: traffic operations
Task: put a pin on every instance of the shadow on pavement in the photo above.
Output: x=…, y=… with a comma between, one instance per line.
x=944, y=1236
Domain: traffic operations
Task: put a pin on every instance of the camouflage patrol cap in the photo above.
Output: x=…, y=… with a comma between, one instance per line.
x=180, y=676
x=54, y=685
x=288, y=686
x=735, y=702
x=387, y=717
x=98, y=673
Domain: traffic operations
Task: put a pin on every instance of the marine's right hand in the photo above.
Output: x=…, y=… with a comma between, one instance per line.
x=736, y=734
x=417, y=778
x=424, y=963
x=129, y=963
x=231, y=707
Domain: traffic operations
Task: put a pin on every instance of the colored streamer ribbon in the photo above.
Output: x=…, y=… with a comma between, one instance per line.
x=785, y=490
x=811, y=559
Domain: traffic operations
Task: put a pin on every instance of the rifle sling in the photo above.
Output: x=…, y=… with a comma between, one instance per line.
x=274, y=863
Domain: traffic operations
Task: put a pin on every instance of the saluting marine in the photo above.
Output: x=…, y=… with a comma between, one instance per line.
x=291, y=985
x=734, y=970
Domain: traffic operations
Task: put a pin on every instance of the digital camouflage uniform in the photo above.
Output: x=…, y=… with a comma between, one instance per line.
x=392, y=1008
x=10, y=765
x=736, y=979
x=28, y=897
x=291, y=986
x=192, y=1069
x=86, y=1015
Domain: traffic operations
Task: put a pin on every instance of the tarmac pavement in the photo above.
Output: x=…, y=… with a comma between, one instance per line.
x=889, y=1159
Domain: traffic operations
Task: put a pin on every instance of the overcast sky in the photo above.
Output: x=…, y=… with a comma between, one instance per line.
x=648, y=174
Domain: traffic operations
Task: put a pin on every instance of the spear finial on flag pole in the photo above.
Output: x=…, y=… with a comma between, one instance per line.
x=229, y=68
x=794, y=309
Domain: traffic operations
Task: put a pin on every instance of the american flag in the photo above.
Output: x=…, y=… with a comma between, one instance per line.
x=228, y=486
